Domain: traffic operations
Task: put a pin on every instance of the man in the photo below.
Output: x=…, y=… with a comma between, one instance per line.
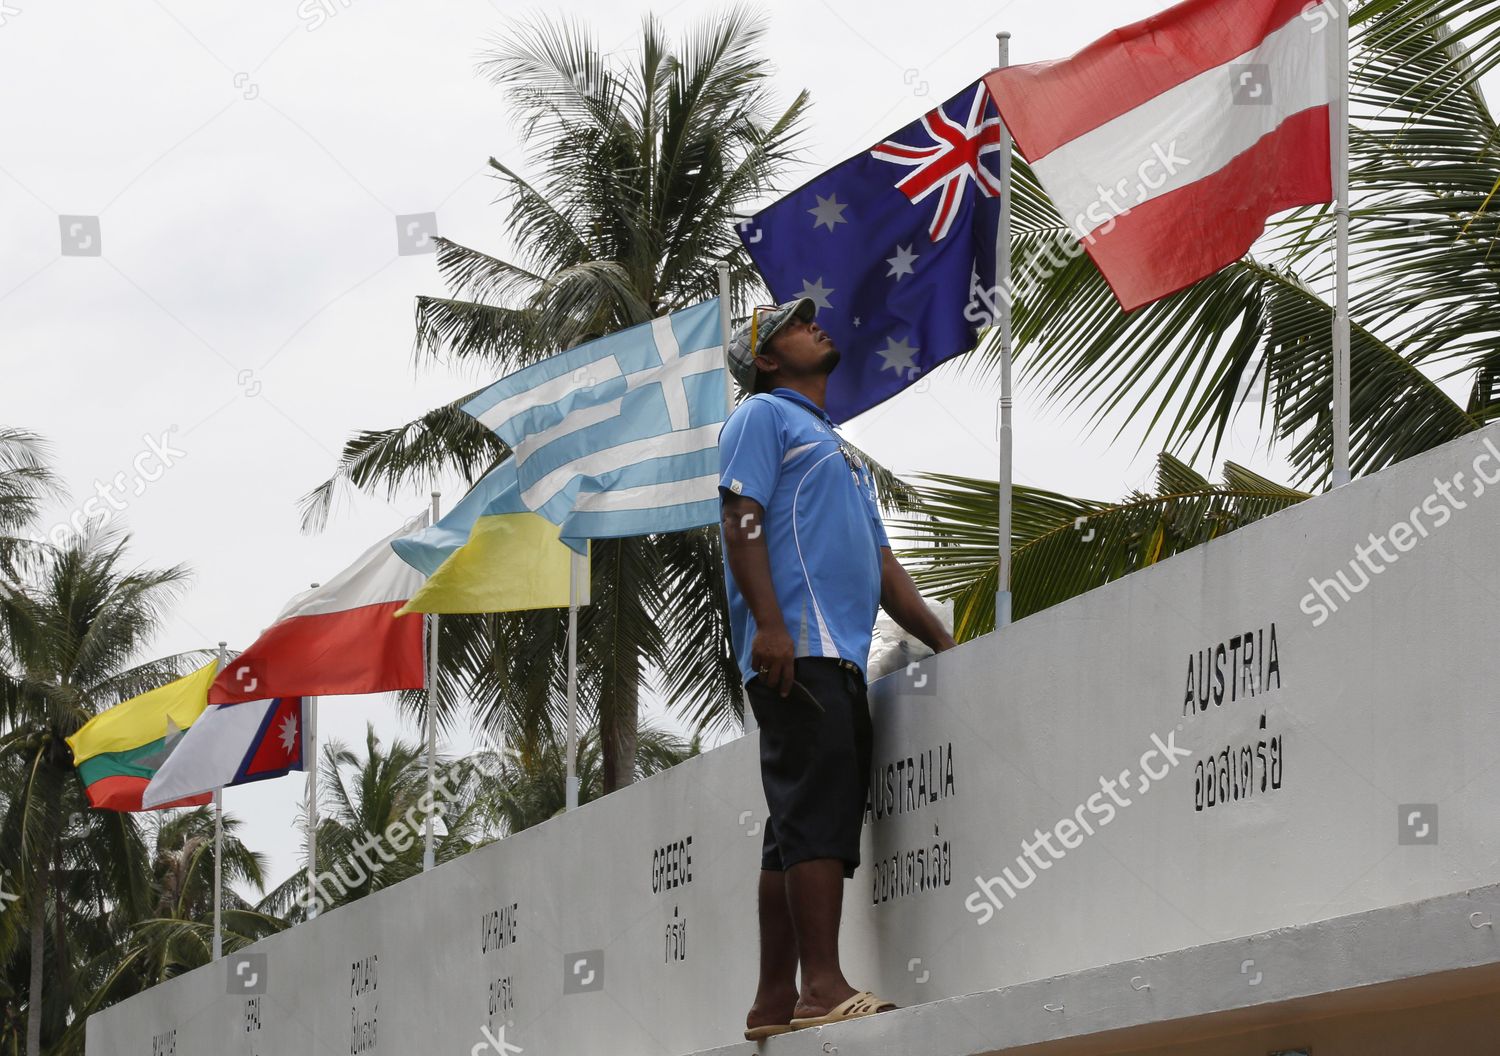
x=807, y=564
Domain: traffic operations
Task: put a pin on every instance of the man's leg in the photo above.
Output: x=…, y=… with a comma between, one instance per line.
x=777, y=993
x=815, y=892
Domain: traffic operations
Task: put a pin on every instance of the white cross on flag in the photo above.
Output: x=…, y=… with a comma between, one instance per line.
x=1167, y=144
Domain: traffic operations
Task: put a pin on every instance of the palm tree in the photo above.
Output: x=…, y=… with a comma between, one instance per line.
x=1065, y=546
x=70, y=635
x=1425, y=170
x=642, y=170
x=361, y=798
x=26, y=482
x=182, y=884
x=527, y=783
x=175, y=932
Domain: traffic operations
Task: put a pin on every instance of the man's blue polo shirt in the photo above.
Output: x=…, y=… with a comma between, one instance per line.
x=822, y=526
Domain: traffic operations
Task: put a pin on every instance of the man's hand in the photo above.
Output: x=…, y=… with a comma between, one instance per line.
x=899, y=597
x=773, y=656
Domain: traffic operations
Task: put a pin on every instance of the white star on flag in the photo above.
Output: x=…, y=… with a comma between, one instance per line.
x=828, y=212
x=288, y=733
x=818, y=293
x=154, y=760
x=902, y=263
x=898, y=357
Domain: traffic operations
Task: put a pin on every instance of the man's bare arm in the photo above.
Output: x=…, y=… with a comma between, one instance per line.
x=900, y=598
x=749, y=561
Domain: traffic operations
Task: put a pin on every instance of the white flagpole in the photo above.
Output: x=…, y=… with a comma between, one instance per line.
x=429, y=852
x=219, y=850
x=726, y=330
x=1340, y=147
x=310, y=761
x=572, y=763
x=1003, y=287
x=724, y=333
x=218, y=873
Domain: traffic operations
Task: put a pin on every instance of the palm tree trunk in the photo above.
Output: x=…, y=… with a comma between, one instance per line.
x=618, y=729
x=38, y=948
x=60, y=952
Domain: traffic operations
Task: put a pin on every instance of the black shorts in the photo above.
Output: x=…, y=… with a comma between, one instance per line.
x=814, y=765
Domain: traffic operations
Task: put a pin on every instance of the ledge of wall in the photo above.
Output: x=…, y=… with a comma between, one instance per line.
x=1150, y=782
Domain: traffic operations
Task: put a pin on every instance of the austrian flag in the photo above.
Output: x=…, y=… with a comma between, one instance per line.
x=1167, y=144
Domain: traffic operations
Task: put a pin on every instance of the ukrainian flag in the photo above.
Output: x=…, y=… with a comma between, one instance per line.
x=491, y=554
x=118, y=751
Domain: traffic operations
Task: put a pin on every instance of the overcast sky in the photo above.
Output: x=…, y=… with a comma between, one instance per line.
x=248, y=305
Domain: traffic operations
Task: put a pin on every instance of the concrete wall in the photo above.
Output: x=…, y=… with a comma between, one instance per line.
x=1355, y=771
x=1466, y=1027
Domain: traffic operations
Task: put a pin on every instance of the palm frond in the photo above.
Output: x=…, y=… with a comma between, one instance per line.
x=1063, y=546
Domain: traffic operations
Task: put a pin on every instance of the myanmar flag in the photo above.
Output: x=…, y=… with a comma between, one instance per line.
x=118, y=751
x=491, y=554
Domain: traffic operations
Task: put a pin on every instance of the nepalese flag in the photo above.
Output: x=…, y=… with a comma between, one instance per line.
x=1166, y=145
x=232, y=744
x=896, y=246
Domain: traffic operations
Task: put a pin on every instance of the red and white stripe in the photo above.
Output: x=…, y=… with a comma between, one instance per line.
x=948, y=162
x=1142, y=146
x=339, y=638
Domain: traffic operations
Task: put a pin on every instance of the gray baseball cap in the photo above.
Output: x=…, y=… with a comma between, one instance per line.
x=765, y=321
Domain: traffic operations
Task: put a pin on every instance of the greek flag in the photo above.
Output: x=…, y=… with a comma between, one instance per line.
x=619, y=436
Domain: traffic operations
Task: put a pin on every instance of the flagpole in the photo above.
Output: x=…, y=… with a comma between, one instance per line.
x=1340, y=150
x=310, y=760
x=429, y=854
x=219, y=848
x=726, y=331
x=572, y=764
x=1003, y=286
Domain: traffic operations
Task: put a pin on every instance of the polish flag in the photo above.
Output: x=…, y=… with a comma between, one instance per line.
x=340, y=638
x=232, y=745
x=1166, y=145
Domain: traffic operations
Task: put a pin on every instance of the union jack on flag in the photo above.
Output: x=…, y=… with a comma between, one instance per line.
x=896, y=246
x=948, y=161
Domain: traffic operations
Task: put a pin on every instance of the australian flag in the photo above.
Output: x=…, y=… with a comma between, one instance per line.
x=896, y=246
